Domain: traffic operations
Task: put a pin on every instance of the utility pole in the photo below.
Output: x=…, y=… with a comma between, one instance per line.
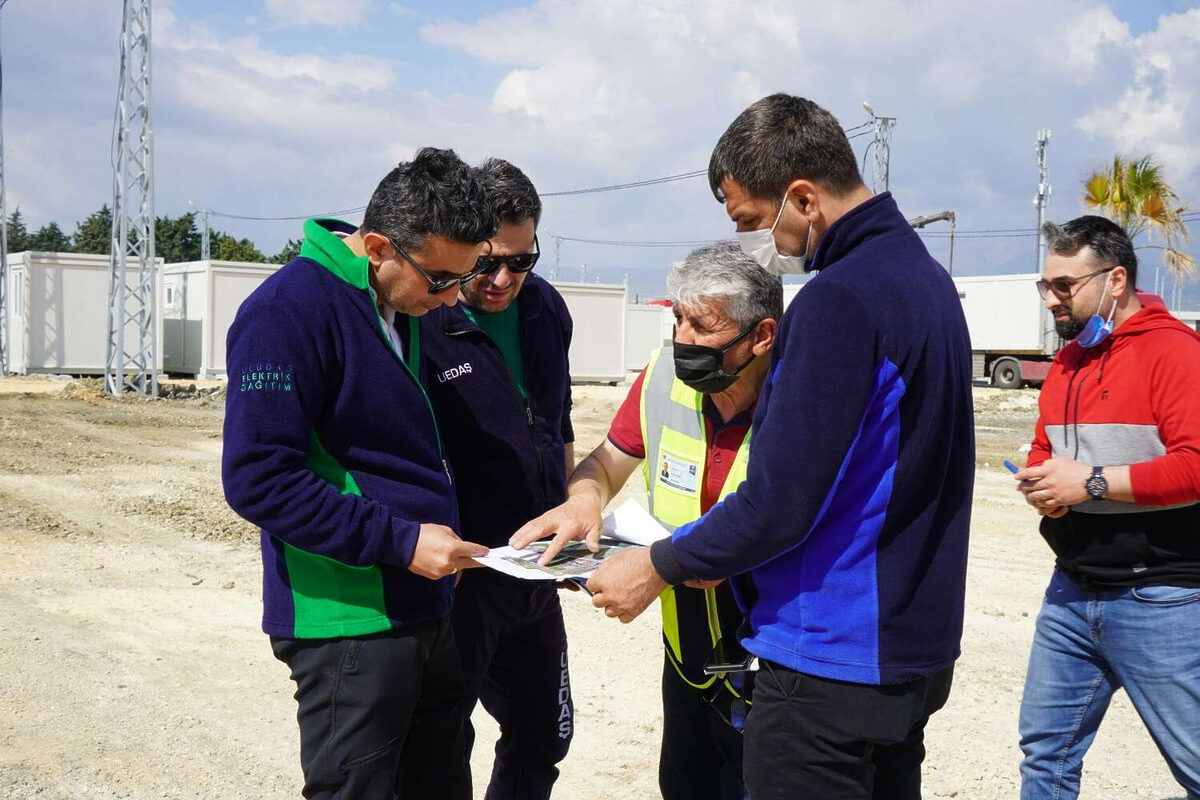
x=3, y=238
x=583, y=273
x=557, y=256
x=202, y=213
x=132, y=346
x=1043, y=193
x=205, y=241
x=883, y=149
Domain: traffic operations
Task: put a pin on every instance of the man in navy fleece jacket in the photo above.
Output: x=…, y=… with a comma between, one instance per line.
x=848, y=539
x=331, y=448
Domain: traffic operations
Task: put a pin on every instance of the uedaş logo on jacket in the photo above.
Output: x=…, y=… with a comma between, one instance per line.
x=455, y=372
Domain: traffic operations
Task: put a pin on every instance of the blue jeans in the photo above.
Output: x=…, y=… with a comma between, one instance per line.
x=1088, y=644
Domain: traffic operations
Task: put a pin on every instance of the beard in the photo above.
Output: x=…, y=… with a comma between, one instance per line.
x=1068, y=328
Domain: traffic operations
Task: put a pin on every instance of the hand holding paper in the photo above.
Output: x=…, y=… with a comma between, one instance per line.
x=629, y=526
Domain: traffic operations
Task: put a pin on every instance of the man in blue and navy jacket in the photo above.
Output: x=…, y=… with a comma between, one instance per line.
x=332, y=449
x=499, y=378
x=848, y=538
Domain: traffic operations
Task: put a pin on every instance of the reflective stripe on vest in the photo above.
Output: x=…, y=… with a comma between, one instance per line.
x=673, y=431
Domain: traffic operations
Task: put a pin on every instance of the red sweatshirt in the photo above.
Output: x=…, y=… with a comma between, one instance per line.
x=1135, y=399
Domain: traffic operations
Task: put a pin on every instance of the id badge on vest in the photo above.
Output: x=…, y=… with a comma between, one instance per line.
x=678, y=473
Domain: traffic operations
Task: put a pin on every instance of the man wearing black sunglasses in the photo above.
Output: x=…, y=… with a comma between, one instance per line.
x=499, y=380
x=332, y=449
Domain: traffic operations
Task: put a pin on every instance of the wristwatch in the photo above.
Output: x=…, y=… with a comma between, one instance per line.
x=1096, y=484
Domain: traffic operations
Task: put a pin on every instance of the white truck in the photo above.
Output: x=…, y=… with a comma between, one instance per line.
x=1012, y=334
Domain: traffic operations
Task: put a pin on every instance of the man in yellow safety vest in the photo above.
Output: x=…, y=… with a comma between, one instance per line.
x=687, y=421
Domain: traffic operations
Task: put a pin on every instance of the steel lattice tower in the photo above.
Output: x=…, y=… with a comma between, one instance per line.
x=3, y=240
x=132, y=325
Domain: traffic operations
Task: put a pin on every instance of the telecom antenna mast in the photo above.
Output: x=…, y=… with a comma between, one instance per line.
x=1043, y=193
x=131, y=361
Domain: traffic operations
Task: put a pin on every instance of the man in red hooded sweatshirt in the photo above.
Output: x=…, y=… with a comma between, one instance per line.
x=1115, y=473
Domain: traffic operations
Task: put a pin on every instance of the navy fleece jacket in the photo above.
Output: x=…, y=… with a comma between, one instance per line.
x=331, y=449
x=508, y=452
x=851, y=528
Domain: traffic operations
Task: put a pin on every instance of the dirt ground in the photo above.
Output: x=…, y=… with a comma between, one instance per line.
x=132, y=665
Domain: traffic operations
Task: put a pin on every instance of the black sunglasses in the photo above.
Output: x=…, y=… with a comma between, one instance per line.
x=1065, y=288
x=436, y=285
x=521, y=262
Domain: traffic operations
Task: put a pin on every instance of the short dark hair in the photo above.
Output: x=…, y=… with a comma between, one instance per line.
x=510, y=192
x=435, y=194
x=779, y=139
x=1108, y=241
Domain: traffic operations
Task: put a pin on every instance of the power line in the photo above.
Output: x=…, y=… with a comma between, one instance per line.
x=338, y=213
x=621, y=243
x=682, y=176
x=631, y=185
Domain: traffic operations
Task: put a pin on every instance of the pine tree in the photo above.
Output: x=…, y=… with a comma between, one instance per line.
x=177, y=239
x=18, y=234
x=51, y=239
x=290, y=250
x=94, y=234
x=227, y=248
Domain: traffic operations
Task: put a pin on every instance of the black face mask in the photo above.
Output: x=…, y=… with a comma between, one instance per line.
x=699, y=367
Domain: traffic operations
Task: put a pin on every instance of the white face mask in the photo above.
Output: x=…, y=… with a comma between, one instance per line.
x=760, y=245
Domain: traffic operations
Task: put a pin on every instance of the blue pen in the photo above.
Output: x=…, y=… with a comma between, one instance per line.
x=1011, y=467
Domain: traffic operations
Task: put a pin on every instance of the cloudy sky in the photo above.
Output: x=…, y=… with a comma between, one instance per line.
x=284, y=107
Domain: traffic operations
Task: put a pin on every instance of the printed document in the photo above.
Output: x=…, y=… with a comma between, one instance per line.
x=628, y=526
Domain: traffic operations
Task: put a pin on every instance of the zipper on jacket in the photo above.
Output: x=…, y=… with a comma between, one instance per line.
x=537, y=451
x=387, y=340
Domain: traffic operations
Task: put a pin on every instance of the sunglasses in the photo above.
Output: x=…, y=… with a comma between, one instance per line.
x=436, y=285
x=1065, y=288
x=521, y=262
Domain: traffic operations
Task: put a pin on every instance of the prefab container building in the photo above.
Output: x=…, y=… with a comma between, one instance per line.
x=598, y=343
x=58, y=313
x=646, y=329
x=200, y=300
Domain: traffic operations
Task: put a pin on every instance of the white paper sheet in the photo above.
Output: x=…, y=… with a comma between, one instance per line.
x=628, y=526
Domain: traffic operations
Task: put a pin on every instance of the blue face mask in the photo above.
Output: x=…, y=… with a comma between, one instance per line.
x=1097, y=329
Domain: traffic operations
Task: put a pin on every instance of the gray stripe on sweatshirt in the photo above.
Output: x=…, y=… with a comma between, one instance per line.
x=1105, y=445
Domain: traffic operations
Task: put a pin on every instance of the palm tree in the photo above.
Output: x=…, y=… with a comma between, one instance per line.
x=1135, y=196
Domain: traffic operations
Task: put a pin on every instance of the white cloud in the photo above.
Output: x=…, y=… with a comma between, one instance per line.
x=320, y=13
x=597, y=92
x=1159, y=112
x=1078, y=46
x=402, y=11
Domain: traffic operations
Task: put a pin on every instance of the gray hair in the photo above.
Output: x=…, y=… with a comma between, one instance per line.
x=721, y=273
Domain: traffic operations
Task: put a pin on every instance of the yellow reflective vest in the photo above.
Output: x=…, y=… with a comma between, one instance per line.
x=673, y=431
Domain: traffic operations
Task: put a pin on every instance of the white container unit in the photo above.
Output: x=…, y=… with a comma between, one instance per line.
x=200, y=300
x=1012, y=334
x=598, y=342
x=790, y=290
x=58, y=313
x=647, y=328
x=1005, y=313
